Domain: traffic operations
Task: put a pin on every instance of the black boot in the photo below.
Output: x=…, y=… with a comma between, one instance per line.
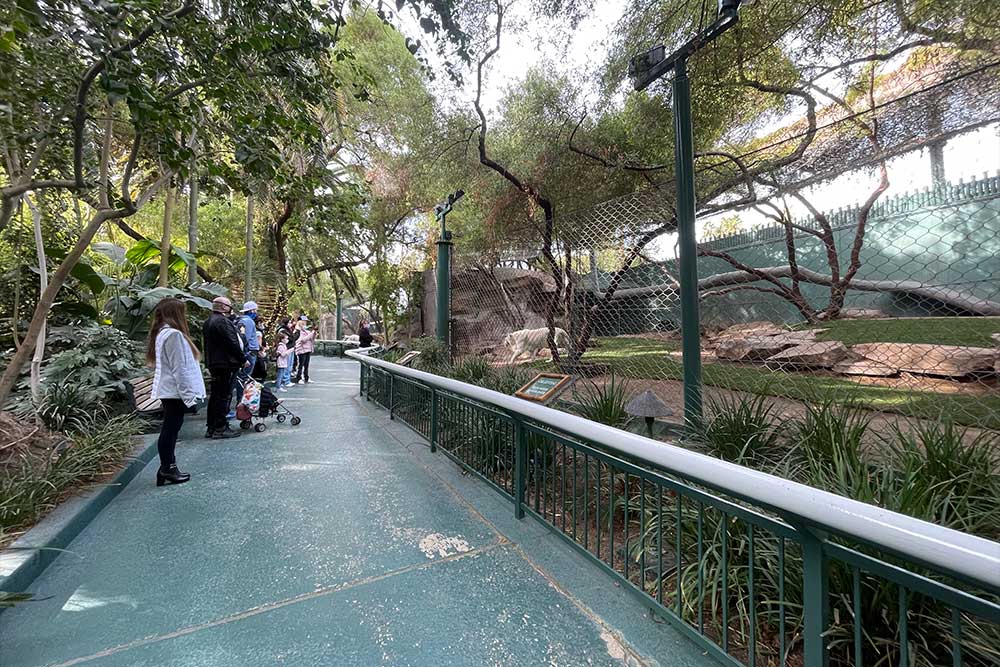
x=171, y=475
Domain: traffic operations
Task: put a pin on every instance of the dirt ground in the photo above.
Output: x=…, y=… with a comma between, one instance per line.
x=20, y=439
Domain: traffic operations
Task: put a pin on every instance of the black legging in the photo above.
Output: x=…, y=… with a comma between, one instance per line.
x=303, y=358
x=173, y=418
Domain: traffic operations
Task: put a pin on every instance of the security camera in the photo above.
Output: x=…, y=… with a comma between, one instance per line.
x=728, y=6
x=645, y=61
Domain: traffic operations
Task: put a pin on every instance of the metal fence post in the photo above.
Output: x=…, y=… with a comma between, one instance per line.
x=444, y=286
x=434, y=419
x=690, y=327
x=339, y=327
x=520, y=467
x=361, y=380
x=815, y=598
x=392, y=395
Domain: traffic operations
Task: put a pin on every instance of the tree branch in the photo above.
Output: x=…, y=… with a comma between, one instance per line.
x=80, y=113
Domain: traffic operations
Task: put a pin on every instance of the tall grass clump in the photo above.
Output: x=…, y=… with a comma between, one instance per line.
x=434, y=356
x=604, y=403
x=472, y=370
x=34, y=482
x=742, y=429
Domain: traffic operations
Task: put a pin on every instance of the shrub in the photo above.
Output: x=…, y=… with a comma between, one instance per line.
x=99, y=357
x=473, y=370
x=832, y=434
x=741, y=429
x=64, y=403
x=947, y=475
x=509, y=379
x=434, y=356
x=34, y=484
x=604, y=403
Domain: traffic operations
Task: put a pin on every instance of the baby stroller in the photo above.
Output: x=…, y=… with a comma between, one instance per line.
x=258, y=404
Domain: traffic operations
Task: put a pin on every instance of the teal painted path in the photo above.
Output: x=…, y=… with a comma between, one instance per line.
x=342, y=541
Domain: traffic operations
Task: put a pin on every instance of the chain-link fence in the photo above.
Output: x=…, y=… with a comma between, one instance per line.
x=836, y=263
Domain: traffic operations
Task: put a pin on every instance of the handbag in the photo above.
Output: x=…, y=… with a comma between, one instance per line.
x=259, y=371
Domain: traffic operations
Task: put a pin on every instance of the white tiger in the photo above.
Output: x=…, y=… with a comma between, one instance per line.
x=533, y=341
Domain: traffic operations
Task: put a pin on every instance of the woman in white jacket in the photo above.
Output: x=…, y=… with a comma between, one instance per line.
x=177, y=382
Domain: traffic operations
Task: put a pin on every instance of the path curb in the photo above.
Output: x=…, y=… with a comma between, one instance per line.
x=24, y=560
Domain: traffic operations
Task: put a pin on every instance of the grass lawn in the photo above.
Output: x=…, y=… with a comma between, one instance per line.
x=971, y=331
x=639, y=358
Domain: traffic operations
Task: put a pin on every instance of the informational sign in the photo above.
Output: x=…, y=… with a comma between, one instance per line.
x=408, y=358
x=543, y=388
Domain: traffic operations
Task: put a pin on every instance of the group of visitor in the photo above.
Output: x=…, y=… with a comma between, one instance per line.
x=235, y=352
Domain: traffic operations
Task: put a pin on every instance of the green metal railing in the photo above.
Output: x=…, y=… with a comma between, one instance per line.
x=756, y=569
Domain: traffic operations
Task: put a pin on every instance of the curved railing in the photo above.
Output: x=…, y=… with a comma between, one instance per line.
x=757, y=568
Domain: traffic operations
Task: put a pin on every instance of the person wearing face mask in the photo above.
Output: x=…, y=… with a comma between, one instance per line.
x=304, y=349
x=248, y=322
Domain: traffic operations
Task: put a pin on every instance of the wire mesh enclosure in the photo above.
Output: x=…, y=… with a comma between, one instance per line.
x=836, y=263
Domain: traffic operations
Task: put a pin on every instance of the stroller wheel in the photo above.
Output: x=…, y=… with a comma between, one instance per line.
x=296, y=421
x=280, y=418
x=245, y=424
x=259, y=428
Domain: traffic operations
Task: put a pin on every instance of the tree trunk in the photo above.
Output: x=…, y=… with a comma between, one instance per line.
x=590, y=317
x=960, y=300
x=248, y=266
x=43, y=283
x=168, y=214
x=47, y=298
x=278, y=238
x=193, y=225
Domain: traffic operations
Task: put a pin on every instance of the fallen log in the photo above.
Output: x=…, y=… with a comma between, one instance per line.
x=959, y=300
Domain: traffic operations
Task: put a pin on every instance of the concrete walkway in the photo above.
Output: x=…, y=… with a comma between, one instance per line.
x=342, y=541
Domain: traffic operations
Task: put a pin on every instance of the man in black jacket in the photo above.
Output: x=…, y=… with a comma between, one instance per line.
x=224, y=357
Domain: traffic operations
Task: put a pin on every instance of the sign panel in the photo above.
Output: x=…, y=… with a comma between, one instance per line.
x=408, y=358
x=543, y=387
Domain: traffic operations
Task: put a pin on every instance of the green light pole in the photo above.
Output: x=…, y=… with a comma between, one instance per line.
x=441, y=212
x=644, y=70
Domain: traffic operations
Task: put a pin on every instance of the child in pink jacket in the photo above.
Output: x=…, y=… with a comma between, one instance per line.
x=304, y=349
x=284, y=364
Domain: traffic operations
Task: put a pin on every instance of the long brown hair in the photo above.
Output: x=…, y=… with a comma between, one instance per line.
x=169, y=312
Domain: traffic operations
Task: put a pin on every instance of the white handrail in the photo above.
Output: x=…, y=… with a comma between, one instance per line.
x=953, y=551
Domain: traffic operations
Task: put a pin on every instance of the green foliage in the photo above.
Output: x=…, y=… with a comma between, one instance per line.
x=741, y=429
x=473, y=370
x=99, y=358
x=509, y=379
x=35, y=482
x=605, y=403
x=63, y=402
x=434, y=356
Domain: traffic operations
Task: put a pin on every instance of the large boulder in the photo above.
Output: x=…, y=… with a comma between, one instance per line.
x=996, y=362
x=925, y=359
x=865, y=367
x=824, y=354
x=749, y=329
x=752, y=348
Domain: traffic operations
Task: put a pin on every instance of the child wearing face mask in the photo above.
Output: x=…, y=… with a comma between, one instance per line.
x=303, y=349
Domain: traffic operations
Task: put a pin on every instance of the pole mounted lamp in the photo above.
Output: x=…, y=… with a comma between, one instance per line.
x=441, y=212
x=644, y=69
